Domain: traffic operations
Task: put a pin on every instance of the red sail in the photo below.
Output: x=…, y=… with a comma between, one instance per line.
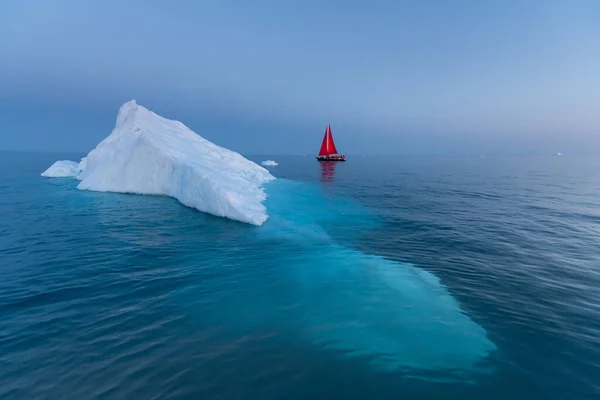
x=328, y=146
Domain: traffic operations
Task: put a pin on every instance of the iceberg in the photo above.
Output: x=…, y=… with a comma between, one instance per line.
x=151, y=155
x=269, y=163
x=62, y=169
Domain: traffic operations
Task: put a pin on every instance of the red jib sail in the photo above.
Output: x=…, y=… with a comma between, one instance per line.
x=328, y=146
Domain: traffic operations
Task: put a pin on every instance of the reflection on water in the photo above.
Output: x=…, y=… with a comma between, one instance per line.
x=327, y=171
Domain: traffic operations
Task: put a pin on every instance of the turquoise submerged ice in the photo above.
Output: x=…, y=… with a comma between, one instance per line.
x=391, y=314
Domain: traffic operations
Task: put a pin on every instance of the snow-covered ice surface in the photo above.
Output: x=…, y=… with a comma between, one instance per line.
x=269, y=163
x=62, y=169
x=152, y=155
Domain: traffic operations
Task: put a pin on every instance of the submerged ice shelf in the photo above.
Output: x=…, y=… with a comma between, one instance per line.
x=394, y=314
x=149, y=154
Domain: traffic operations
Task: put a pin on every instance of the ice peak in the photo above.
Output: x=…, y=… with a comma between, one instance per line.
x=132, y=115
x=127, y=112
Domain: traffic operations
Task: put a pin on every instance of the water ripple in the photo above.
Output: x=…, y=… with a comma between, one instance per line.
x=117, y=296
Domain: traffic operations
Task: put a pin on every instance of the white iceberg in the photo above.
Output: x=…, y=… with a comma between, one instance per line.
x=152, y=155
x=62, y=169
x=269, y=163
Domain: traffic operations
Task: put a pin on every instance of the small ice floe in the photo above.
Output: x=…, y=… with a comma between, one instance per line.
x=62, y=169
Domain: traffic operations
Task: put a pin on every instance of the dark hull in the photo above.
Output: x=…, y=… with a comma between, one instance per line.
x=332, y=158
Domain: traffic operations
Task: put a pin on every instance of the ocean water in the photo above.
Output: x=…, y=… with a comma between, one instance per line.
x=380, y=278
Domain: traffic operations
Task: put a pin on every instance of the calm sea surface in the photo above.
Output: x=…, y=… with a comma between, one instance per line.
x=379, y=278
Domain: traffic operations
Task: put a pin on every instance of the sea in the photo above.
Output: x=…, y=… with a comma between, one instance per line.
x=406, y=277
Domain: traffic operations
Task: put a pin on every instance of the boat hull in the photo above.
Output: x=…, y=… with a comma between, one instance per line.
x=331, y=158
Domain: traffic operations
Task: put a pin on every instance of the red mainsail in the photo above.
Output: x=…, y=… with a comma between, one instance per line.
x=328, y=146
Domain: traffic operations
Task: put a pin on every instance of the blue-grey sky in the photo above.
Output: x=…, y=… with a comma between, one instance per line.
x=266, y=76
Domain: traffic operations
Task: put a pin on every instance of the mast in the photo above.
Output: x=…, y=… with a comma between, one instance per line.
x=330, y=142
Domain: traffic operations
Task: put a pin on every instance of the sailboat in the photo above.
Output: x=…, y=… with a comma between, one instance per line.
x=328, y=151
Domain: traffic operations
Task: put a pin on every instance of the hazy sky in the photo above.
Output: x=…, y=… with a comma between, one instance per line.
x=266, y=76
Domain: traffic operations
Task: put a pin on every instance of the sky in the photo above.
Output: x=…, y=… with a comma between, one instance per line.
x=266, y=76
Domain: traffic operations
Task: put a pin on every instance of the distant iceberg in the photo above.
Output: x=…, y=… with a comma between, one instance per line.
x=152, y=155
x=269, y=163
x=62, y=169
